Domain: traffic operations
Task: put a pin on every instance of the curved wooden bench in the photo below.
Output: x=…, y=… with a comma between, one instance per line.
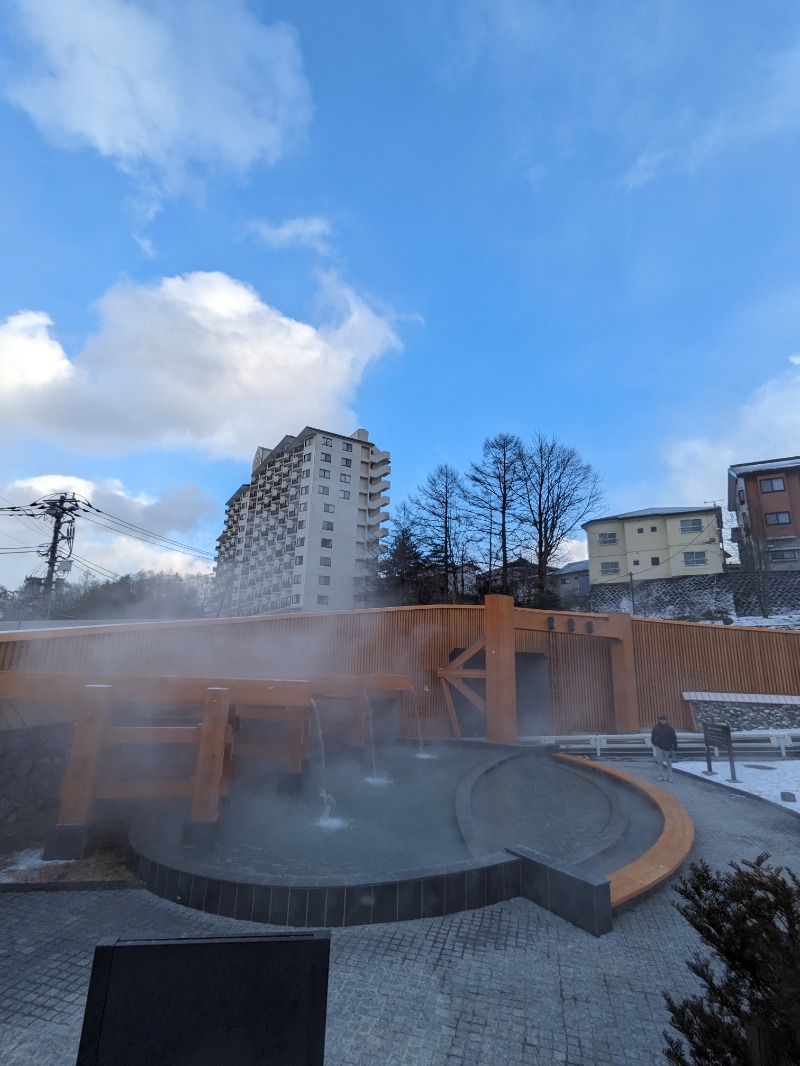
x=668, y=853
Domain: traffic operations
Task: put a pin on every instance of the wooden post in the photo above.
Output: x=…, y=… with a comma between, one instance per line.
x=210, y=756
x=501, y=679
x=623, y=676
x=80, y=784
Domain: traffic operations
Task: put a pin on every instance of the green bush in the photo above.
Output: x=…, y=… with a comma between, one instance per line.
x=748, y=1011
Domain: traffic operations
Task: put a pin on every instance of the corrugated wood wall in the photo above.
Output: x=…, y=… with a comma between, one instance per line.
x=671, y=657
x=414, y=641
x=676, y=657
x=579, y=678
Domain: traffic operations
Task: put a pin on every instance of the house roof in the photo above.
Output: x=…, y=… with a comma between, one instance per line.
x=766, y=464
x=573, y=568
x=650, y=512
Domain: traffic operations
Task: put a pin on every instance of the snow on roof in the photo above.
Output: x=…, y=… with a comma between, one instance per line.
x=571, y=568
x=651, y=512
x=767, y=464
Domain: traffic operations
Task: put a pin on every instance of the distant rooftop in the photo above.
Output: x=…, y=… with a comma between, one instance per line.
x=650, y=512
x=766, y=464
x=571, y=568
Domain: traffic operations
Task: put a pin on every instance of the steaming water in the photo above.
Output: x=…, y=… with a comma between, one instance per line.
x=421, y=753
x=326, y=820
x=376, y=778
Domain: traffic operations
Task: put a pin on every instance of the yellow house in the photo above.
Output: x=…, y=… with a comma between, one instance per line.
x=644, y=545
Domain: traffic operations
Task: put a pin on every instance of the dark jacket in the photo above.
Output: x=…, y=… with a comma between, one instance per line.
x=663, y=736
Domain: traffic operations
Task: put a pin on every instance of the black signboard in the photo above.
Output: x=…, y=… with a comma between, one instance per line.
x=250, y=1000
x=716, y=735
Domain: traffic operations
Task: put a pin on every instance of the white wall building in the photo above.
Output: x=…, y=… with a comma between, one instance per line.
x=663, y=543
x=304, y=534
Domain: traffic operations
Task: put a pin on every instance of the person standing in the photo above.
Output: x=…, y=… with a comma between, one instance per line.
x=665, y=744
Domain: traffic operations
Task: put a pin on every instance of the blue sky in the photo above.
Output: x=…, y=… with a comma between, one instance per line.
x=439, y=220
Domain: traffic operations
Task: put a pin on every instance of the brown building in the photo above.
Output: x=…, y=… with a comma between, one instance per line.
x=765, y=497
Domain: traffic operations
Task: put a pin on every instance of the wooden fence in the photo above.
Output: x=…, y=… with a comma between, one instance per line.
x=586, y=670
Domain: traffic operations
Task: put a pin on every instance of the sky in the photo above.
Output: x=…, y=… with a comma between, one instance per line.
x=439, y=220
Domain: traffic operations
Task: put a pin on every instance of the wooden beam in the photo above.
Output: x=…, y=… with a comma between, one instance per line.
x=501, y=680
x=211, y=756
x=623, y=676
x=80, y=783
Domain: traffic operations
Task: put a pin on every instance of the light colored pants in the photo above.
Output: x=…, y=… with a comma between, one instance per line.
x=663, y=762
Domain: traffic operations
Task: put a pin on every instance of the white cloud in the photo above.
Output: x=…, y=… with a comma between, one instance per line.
x=181, y=513
x=30, y=356
x=768, y=106
x=196, y=362
x=311, y=232
x=157, y=87
x=766, y=426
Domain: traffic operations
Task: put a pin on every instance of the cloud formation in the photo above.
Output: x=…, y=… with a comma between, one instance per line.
x=767, y=106
x=194, y=362
x=764, y=427
x=310, y=232
x=157, y=87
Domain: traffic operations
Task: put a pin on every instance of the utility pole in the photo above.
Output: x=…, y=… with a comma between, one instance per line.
x=62, y=511
x=633, y=601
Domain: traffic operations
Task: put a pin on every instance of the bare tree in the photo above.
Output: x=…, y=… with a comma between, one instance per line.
x=493, y=492
x=438, y=510
x=559, y=491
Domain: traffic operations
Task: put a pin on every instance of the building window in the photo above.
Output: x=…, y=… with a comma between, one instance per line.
x=324, y=579
x=324, y=560
x=301, y=524
x=655, y=560
x=322, y=600
x=345, y=478
x=783, y=555
x=323, y=490
x=327, y=442
x=640, y=529
x=564, y=580
x=298, y=560
x=307, y=457
x=327, y=525
x=306, y=473
x=295, y=599
x=608, y=568
x=653, y=529
x=347, y=446
x=300, y=542
x=325, y=474
x=635, y=562
x=772, y=484
x=304, y=490
x=308, y=442
x=778, y=518
x=326, y=542
x=694, y=559
x=346, y=462
x=325, y=457
x=691, y=525
x=329, y=508
x=344, y=494
x=607, y=538
x=298, y=579
x=303, y=506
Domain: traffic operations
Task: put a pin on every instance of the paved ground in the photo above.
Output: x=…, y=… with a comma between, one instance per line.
x=510, y=984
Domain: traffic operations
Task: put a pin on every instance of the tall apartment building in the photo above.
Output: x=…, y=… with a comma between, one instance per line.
x=304, y=534
x=765, y=497
x=663, y=543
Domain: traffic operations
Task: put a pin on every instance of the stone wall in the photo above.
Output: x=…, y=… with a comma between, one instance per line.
x=741, y=716
x=32, y=766
x=709, y=597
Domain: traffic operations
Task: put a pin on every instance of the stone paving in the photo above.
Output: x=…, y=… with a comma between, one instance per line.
x=510, y=984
